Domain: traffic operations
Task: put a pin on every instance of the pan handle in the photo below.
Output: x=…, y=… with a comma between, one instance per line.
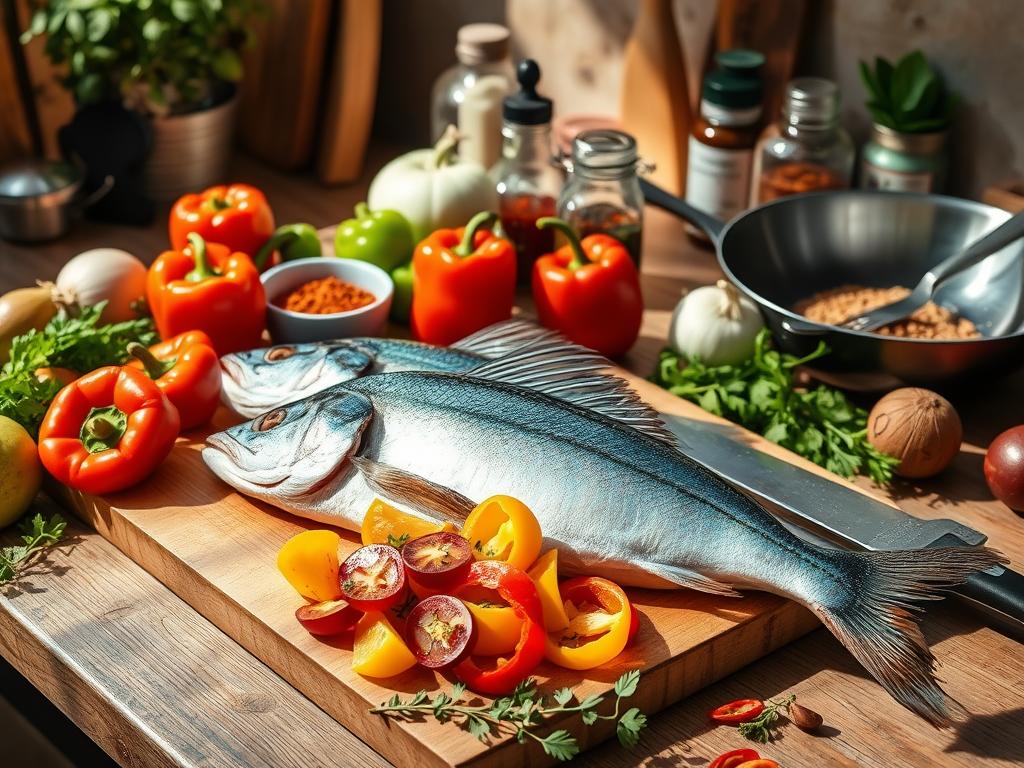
x=661, y=198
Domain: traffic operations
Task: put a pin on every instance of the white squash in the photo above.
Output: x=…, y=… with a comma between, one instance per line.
x=432, y=189
x=717, y=324
x=104, y=274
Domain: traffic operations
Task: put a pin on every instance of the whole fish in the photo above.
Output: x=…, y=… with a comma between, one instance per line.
x=610, y=491
x=260, y=380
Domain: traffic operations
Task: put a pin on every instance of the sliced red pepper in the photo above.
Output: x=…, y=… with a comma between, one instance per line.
x=739, y=711
x=734, y=758
x=516, y=589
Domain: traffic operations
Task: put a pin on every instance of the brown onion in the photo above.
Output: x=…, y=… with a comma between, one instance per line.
x=918, y=427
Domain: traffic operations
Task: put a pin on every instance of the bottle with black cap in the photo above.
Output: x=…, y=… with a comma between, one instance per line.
x=528, y=181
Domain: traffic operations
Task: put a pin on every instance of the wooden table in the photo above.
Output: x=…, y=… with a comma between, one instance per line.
x=154, y=684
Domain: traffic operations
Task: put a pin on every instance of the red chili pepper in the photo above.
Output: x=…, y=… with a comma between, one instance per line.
x=107, y=430
x=187, y=369
x=734, y=758
x=464, y=280
x=206, y=287
x=516, y=589
x=739, y=711
x=589, y=291
x=237, y=216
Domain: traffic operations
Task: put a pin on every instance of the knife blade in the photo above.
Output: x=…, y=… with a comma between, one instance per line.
x=830, y=514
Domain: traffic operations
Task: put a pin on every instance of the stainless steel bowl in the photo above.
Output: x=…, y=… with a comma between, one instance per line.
x=793, y=247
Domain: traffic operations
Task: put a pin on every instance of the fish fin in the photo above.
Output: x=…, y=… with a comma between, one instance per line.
x=688, y=579
x=503, y=338
x=414, y=491
x=558, y=368
x=869, y=608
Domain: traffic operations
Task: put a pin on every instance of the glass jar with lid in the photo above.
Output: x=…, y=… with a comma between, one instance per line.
x=808, y=150
x=602, y=193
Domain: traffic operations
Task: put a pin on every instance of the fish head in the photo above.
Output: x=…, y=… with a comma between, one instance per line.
x=259, y=380
x=293, y=451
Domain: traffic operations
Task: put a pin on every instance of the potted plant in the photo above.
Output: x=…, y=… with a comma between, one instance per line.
x=912, y=109
x=174, y=62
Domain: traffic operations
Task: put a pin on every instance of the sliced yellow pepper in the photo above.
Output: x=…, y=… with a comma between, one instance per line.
x=498, y=629
x=599, y=622
x=309, y=560
x=503, y=528
x=377, y=649
x=545, y=575
x=383, y=521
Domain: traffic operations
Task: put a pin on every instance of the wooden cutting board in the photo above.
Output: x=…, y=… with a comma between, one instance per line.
x=216, y=550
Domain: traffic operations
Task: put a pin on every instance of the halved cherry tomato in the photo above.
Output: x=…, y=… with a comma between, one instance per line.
x=378, y=650
x=329, y=618
x=599, y=624
x=439, y=631
x=735, y=712
x=438, y=560
x=309, y=560
x=734, y=758
x=760, y=762
x=503, y=528
x=385, y=524
x=517, y=589
x=373, y=578
x=545, y=575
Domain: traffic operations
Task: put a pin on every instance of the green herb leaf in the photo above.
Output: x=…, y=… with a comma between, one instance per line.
x=37, y=533
x=629, y=726
x=562, y=696
x=560, y=745
x=626, y=685
x=398, y=541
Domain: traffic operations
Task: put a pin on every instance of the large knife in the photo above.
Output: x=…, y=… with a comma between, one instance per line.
x=831, y=514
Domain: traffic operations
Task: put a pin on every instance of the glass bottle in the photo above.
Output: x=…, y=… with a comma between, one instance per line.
x=602, y=193
x=808, y=150
x=481, y=49
x=527, y=179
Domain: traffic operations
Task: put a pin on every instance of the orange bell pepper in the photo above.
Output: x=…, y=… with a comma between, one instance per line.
x=385, y=524
x=503, y=528
x=309, y=560
x=589, y=291
x=237, y=216
x=206, y=287
x=463, y=280
x=378, y=650
x=187, y=369
x=600, y=618
x=107, y=430
x=545, y=576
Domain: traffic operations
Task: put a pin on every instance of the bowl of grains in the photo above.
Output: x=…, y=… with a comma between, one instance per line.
x=326, y=298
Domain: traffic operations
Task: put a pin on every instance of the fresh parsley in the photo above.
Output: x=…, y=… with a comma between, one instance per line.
x=818, y=423
x=397, y=541
x=523, y=710
x=762, y=727
x=37, y=533
x=72, y=339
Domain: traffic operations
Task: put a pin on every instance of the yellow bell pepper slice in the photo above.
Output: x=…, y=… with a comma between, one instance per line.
x=383, y=521
x=503, y=528
x=545, y=575
x=599, y=621
x=377, y=649
x=309, y=560
x=498, y=628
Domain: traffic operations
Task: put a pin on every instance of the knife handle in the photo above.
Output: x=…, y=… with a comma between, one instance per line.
x=1000, y=598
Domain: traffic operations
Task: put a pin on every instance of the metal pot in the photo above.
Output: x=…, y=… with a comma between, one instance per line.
x=793, y=247
x=190, y=152
x=39, y=197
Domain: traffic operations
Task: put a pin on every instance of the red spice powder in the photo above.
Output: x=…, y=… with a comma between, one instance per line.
x=325, y=296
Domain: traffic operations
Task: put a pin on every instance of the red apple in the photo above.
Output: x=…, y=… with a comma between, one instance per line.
x=1004, y=468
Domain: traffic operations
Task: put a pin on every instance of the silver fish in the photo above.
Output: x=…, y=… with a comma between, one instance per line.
x=598, y=469
x=259, y=380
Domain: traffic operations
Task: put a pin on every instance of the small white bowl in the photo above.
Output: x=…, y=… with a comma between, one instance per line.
x=287, y=327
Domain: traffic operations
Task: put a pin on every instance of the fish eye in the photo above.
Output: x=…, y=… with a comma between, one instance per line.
x=269, y=420
x=278, y=353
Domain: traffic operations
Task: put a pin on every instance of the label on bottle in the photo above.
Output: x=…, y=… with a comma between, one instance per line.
x=718, y=180
x=874, y=177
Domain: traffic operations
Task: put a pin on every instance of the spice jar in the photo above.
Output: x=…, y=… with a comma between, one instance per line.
x=724, y=135
x=528, y=181
x=906, y=162
x=602, y=193
x=808, y=150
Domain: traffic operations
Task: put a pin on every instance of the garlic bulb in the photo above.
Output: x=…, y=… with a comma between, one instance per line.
x=716, y=324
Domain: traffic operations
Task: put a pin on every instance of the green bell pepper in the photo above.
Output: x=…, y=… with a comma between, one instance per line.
x=292, y=241
x=383, y=238
x=401, y=301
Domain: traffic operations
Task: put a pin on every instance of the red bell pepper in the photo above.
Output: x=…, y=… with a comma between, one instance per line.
x=107, y=430
x=464, y=280
x=206, y=287
x=518, y=590
x=589, y=291
x=187, y=369
x=237, y=216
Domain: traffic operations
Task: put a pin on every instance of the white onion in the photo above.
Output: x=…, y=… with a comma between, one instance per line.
x=104, y=274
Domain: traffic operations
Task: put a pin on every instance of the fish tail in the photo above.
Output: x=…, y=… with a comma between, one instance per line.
x=871, y=610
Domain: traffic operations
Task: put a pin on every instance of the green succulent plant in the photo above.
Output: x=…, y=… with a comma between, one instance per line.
x=157, y=56
x=909, y=97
